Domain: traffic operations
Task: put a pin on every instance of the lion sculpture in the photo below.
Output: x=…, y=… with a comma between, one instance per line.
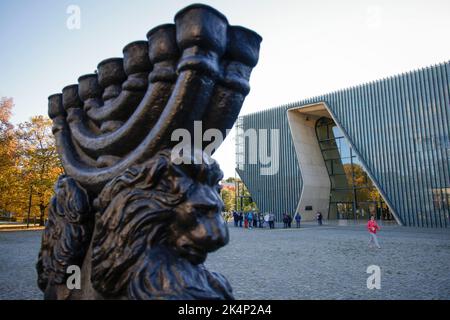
x=155, y=225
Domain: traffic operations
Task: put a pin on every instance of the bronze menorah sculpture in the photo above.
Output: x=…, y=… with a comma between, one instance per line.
x=138, y=223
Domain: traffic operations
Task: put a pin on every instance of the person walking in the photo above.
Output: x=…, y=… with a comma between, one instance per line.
x=271, y=221
x=255, y=219
x=250, y=219
x=285, y=220
x=266, y=220
x=260, y=220
x=235, y=218
x=319, y=218
x=241, y=218
x=373, y=227
x=298, y=219
x=289, y=220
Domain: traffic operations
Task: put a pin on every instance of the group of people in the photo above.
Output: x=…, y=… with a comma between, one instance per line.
x=248, y=220
x=287, y=220
x=253, y=219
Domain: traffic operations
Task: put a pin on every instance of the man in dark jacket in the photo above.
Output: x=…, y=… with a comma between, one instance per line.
x=319, y=218
x=285, y=220
x=235, y=218
x=298, y=219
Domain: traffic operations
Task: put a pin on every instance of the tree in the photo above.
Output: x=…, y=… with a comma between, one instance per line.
x=29, y=164
x=9, y=171
x=230, y=197
x=39, y=161
x=6, y=128
x=366, y=190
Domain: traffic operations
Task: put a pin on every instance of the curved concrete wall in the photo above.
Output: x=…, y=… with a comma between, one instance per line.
x=316, y=182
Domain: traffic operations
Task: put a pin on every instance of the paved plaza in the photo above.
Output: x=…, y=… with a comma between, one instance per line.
x=327, y=262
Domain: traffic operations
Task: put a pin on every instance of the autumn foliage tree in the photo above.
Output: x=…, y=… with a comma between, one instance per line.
x=39, y=160
x=366, y=190
x=29, y=164
x=229, y=196
x=8, y=158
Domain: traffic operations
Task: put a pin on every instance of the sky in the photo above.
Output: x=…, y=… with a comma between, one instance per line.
x=309, y=47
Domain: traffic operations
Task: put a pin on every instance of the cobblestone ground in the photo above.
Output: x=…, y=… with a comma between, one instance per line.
x=18, y=256
x=330, y=262
x=327, y=262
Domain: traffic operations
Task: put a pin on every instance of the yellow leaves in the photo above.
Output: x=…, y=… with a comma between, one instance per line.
x=6, y=105
x=28, y=161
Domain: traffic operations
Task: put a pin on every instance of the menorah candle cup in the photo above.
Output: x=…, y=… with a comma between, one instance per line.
x=89, y=91
x=163, y=52
x=202, y=36
x=242, y=55
x=56, y=112
x=136, y=65
x=70, y=97
x=243, y=45
x=72, y=103
x=55, y=106
x=111, y=75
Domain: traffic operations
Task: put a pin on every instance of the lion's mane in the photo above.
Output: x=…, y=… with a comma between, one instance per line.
x=66, y=237
x=131, y=256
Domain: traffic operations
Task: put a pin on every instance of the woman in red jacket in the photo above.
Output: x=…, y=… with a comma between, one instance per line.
x=373, y=227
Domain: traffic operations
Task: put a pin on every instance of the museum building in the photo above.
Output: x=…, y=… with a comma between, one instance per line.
x=380, y=148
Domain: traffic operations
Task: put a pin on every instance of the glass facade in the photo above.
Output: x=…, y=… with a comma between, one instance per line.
x=353, y=194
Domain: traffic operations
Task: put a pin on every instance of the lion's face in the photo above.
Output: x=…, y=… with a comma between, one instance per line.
x=154, y=205
x=198, y=226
